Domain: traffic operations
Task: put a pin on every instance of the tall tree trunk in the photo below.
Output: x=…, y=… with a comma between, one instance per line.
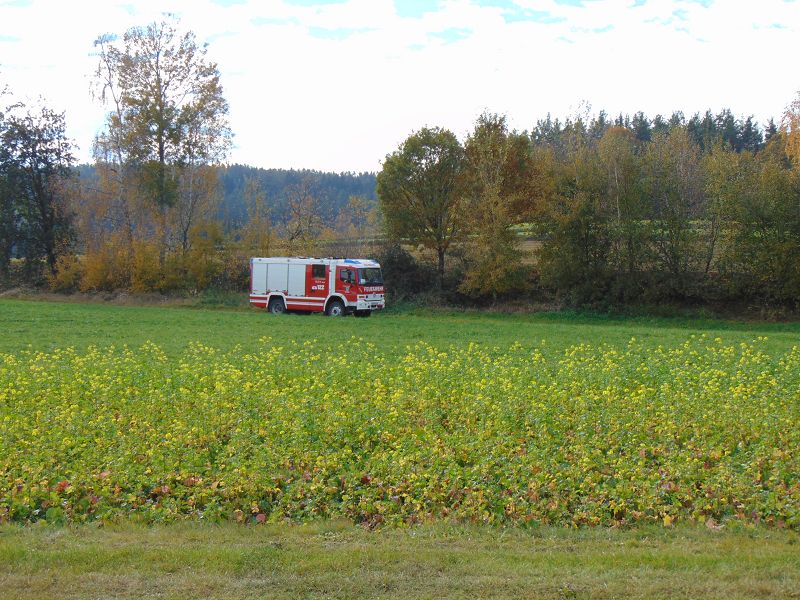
x=162, y=246
x=440, y=268
x=188, y=216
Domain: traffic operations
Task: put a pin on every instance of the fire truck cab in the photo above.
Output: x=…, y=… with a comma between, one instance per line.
x=334, y=286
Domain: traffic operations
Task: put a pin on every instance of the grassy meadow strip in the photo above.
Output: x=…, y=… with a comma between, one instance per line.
x=590, y=434
x=333, y=559
x=49, y=326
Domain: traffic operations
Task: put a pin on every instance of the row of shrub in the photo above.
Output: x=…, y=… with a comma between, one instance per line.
x=142, y=267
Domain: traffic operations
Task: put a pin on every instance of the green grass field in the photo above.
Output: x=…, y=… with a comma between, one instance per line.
x=47, y=326
x=481, y=455
x=335, y=560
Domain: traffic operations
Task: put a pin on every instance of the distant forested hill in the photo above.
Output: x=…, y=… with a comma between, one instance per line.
x=332, y=190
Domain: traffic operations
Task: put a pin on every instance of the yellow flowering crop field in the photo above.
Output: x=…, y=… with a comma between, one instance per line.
x=703, y=430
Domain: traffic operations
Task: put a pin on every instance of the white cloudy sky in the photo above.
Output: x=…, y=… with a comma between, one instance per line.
x=337, y=84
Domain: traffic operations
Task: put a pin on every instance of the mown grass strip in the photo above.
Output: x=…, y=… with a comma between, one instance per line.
x=337, y=560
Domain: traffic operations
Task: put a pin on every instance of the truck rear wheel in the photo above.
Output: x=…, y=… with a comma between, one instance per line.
x=276, y=306
x=335, y=308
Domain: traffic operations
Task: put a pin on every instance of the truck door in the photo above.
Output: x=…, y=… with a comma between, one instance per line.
x=317, y=284
x=346, y=282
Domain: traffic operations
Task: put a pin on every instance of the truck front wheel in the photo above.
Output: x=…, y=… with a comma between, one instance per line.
x=335, y=308
x=363, y=313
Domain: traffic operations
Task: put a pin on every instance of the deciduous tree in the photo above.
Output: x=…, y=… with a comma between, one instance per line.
x=304, y=221
x=496, y=196
x=256, y=234
x=624, y=204
x=418, y=191
x=168, y=120
x=35, y=163
x=575, y=256
x=791, y=126
x=673, y=180
x=6, y=202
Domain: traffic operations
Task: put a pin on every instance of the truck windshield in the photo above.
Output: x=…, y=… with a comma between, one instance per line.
x=370, y=277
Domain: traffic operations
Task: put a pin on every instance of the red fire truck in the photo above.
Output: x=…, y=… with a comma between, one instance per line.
x=335, y=286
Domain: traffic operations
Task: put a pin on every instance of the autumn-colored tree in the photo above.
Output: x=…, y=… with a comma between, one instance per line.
x=497, y=194
x=356, y=224
x=791, y=127
x=418, y=192
x=673, y=181
x=114, y=195
x=203, y=264
x=575, y=256
x=168, y=120
x=257, y=235
x=198, y=190
x=6, y=203
x=760, y=254
x=303, y=223
x=731, y=182
x=624, y=204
